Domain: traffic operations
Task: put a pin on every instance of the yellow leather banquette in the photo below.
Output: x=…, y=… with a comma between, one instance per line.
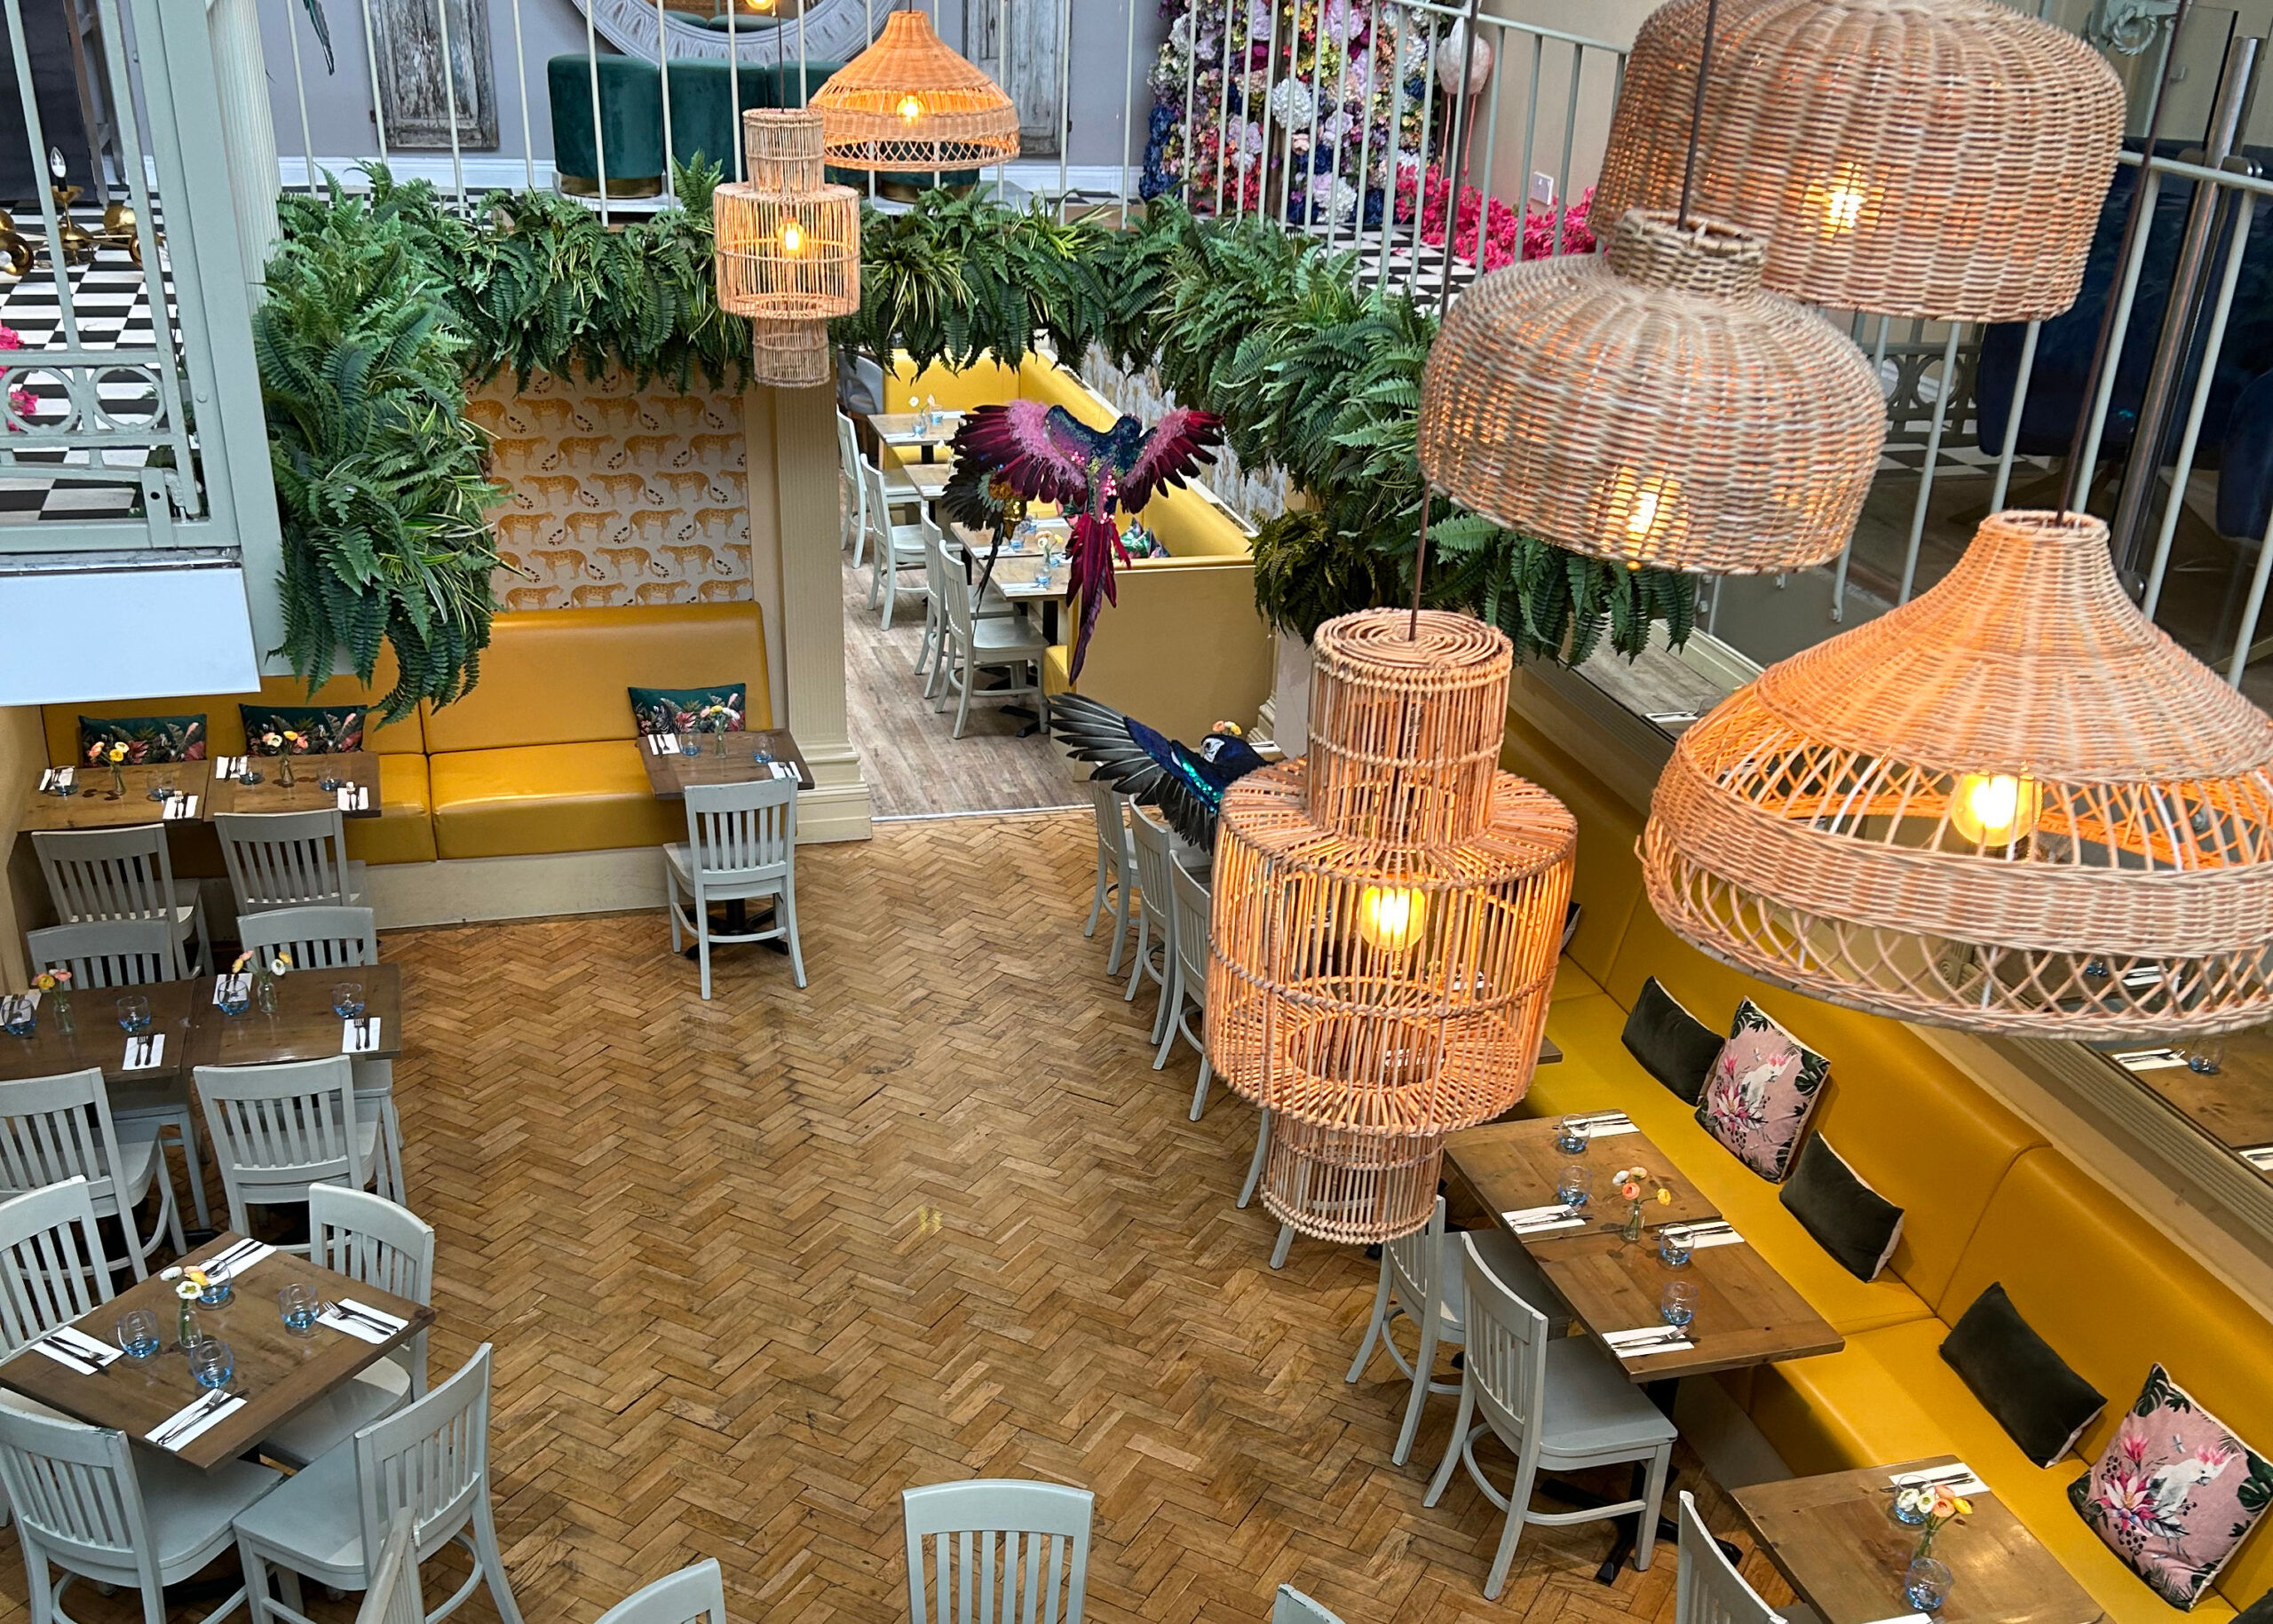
x=1985, y=1200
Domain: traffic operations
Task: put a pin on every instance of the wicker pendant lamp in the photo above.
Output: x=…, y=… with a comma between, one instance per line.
x=1386, y=919
x=907, y=102
x=788, y=247
x=1652, y=404
x=1941, y=158
x=2011, y=805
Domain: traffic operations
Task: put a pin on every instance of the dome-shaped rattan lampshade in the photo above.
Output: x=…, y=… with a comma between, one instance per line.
x=788, y=247
x=2013, y=804
x=1387, y=913
x=1651, y=405
x=907, y=102
x=1914, y=157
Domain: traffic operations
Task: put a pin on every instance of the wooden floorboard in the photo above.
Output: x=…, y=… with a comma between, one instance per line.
x=753, y=1266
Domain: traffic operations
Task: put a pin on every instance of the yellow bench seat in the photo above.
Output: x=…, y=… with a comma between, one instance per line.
x=404, y=830
x=534, y=798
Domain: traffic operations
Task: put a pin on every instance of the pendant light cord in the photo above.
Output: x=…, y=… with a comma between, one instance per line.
x=1697, y=113
x=2132, y=226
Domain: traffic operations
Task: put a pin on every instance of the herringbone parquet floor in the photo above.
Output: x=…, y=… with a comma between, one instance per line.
x=755, y=1265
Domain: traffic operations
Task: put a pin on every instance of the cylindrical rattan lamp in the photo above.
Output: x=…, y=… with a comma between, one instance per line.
x=1387, y=913
x=1943, y=158
x=2011, y=806
x=1652, y=404
x=907, y=102
x=788, y=247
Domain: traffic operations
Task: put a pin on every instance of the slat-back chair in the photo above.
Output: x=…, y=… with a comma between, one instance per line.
x=123, y=873
x=997, y=1551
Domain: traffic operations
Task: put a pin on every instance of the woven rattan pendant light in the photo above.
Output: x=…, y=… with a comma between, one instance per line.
x=788, y=247
x=2013, y=805
x=907, y=102
x=1652, y=404
x=1387, y=915
x=1943, y=158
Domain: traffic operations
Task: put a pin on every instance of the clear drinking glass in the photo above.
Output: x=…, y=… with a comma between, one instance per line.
x=1927, y=1584
x=347, y=1000
x=300, y=1306
x=1672, y=1247
x=1571, y=1136
x=134, y=1012
x=1678, y=1306
x=163, y=783
x=220, y=1289
x=2206, y=1056
x=138, y=1333
x=1574, y=1186
x=212, y=1362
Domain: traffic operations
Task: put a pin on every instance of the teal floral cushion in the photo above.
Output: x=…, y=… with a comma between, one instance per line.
x=1761, y=1092
x=323, y=729
x=148, y=738
x=2174, y=1493
x=685, y=711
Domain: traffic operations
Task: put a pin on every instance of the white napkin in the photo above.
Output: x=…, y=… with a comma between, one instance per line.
x=2149, y=1059
x=354, y=1325
x=238, y=1261
x=1643, y=1342
x=662, y=744
x=180, y=807
x=46, y=779
x=203, y=1424
x=1672, y=719
x=354, y=1043
x=74, y=1340
x=1963, y=1482
x=1611, y=1130
x=15, y=1006
x=2260, y=1156
x=1532, y=1214
x=1703, y=1235
x=354, y=797
x=781, y=769
x=158, y=1042
x=229, y=988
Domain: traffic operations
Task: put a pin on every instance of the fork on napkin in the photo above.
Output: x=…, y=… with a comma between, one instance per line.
x=1539, y=1220
x=144, y=1051
x=1645, y=1340
x=1957, y=1476
x=361, y=1320
x=194, y=1418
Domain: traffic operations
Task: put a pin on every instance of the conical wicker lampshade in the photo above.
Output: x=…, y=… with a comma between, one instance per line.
x=1386, y=919
x=1914, y=157
x=1651, y=405
x=2013, y=805
x=907, y=102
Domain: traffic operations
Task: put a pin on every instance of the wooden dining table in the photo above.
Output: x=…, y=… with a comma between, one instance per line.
x=905, y=431
x=96, y=1038
x=671, y=772
x=278, y=1373
x=306, y=1026
x=95, y=803
x=348, y=769
x=1834, y=1542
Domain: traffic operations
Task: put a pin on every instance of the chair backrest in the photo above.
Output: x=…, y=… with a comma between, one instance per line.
x=1154, y=844
x=1709, y=1589
x=369, y=1239
x=108, y=951
x=1415, y=1268
x=879, y=505
x=52, y=1264
x=317, y=937
x=1112, y=809
x=430, y=1458
x=955, y=591
x=1002, y=1552
x=55, y=1128
x=73, y=1488
x=111, y=873
x=1191, y=925
x=1291, y=1607
x=277, y=1129
x=393, y=1596
x=743, y=831
x=1506, y=1353
x=694, y=1595
x=848, y=445
x=285, y=859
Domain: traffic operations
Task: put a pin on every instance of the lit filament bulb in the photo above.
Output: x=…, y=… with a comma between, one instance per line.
x=1391, y=917
x=911, y=108
x=793, y=238
x=1642, y=511
x=1840, y=200
x=1993, y=810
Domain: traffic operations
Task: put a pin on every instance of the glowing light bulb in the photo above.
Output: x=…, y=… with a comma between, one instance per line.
x=911, y=107
x=1640, y=510
x=1840, y=200
x=1391, y=917
x=1994, y=810
x=1642, y=514
x=793, y=238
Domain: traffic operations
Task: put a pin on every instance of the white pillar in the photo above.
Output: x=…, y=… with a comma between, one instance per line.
x=248, y=131
x=796, y=571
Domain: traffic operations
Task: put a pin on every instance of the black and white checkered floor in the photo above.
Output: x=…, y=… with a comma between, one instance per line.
x=110, y=303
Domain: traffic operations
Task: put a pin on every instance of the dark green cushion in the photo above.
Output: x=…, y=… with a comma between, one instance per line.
x=1672, y=1045
x=324, y=729
x=2040, y=1403
x=147, y=738
x=1848, y=1219
x=679, y=710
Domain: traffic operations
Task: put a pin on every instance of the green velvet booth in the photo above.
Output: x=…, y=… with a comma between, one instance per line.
x=703, y=115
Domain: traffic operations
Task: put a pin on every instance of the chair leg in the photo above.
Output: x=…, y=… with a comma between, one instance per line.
x=1097, y=896
x=391, y=1169
x=1207, y=1075
x=42, y=1596
x=287, y=1591
x=1119, y=919
x=670, y=903
x=1375, y=1327
x=1255, y=1162
x=1651, y=1496
x=256, y=1576
x=1143, y=943
x=962, y=700
x=1424, y=1369
x=787, y=903
x=1455, y=1446
x=493, y=1563
x=1285, y=1243
x=1171, y=1000
x=1519, y=1508
x=702, y=939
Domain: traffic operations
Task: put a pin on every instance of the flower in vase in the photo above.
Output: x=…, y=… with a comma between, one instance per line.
x=116, y=754
x=52, y=980
x=192, y=1285
x=242, y=959
x=280, y=964
x=273, y=741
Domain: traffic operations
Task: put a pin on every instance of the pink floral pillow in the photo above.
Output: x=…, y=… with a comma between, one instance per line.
x=2174, y=1493
x=1761, y=1092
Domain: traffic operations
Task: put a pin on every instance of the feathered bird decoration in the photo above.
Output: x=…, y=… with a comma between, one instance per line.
x=1046, y=453
x=1187, y=784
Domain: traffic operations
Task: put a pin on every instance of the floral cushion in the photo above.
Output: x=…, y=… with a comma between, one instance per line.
x=1761, y=1092
x=681, y=710
x=2174, y=1493
x=148, y=738
x=323, y=729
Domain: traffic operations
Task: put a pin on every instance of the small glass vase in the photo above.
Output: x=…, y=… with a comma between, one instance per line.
x=718, y=740
x=118, y=780
x=284, y=768
x=187, y=1334
x=264, y=991
x=59, y=1002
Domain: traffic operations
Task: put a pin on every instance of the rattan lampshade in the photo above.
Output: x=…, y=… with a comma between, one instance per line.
x=788, y=247
x=907, y=102
x=2013, y=805
x=1652, y=404
x=1386, y=918
x=1915, y=157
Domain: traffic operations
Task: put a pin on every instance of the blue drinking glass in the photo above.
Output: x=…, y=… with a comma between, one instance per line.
x=1927, y=1584
x=1679, y=1304
x=138, y=1333
x=218, y=1290
x=1673, y=1248
x=300, y=1309
x=134, y=1012
x=212, y=1362
x=347, y=1000
x=1574, y=1187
